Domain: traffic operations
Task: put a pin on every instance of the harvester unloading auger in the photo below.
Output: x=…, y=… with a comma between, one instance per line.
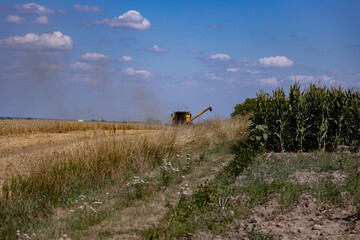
x=184, y=117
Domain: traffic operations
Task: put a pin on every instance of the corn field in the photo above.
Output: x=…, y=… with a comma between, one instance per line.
x=318, y=118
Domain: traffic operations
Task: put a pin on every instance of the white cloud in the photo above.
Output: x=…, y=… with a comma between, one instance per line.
x=55, y=40
x=213, y=76
x=94, y=56
x=86, y=8
x=269, y=81
x=220, y=56
x=157, y=49
x=253, y=72
x=232, y=70
x=131, y=19
x=33, y=8
x=241, y=76
x=132, y=72
x=275, y=62
x=80, y=66
x=125, y=59
x=84, y=66
x=143, y=73
x=313, y=79
x=42, y=20
x=14, y=19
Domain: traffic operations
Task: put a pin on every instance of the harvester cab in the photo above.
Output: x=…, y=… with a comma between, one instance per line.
x=184, y=117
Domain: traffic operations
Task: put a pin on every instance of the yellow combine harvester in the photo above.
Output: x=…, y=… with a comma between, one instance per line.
x=184, y=117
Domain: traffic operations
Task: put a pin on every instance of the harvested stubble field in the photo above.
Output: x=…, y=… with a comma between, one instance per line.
x=187, y=182
x=46, y=168
x=25, y=142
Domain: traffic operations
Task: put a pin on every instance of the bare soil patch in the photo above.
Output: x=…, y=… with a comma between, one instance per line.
x=307, y=220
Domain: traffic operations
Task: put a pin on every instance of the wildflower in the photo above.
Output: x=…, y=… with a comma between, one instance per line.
x=177, y=155
x=72, y=211
x=81, y=207
x=182, y=176
x=107, y=193
x=85, y=203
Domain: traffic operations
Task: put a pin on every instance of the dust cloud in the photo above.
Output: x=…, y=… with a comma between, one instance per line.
x=36, y=85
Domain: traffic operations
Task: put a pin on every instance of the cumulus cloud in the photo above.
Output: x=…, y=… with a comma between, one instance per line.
x=132, y=72
x=55, y=40
x=241, y=76
x=232, y=70
x=80, y=66
x=313, y=79
x=33, y=8
x=275, y=62
x=43, y=20
x=86, y=8
x=213, y=26
x=14, y=19
x=131, y=19
x=272, y=81
x=220, y=57
x=157, y=49
x=95, y=57
x=125, y=59
x=213, y=76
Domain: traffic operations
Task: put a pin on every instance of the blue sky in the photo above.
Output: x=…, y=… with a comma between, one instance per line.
x=130, y=60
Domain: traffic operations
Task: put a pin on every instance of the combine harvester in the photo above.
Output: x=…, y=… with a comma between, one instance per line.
x=184, y=117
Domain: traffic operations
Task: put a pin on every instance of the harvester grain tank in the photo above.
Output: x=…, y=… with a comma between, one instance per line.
x=184, y=117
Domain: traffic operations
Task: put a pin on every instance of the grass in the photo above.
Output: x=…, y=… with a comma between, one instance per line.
x=29, y=200
x=255, y=181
